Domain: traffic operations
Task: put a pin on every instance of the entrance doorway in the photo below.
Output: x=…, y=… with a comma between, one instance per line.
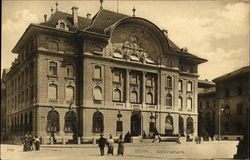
x=136, y=125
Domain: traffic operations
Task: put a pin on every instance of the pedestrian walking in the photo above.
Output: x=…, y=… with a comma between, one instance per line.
x=26, y=143
x=101, y=144
x=37, y=143
x=110, y=143
x=120, y=146
x=30, y=142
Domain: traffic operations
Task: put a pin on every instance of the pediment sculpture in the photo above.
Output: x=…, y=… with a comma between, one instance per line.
x=130, y=49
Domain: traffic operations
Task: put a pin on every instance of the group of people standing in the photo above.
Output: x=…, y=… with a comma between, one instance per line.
x=30, y=143
x=110, y=143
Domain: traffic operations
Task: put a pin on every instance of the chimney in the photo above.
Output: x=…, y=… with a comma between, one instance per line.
x=165, y=32
x=45, y=17
x=88, y=15
x=75, y=16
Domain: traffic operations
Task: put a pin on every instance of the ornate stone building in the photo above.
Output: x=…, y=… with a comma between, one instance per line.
x=110, y=74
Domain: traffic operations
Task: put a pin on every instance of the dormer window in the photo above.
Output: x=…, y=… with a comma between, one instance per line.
x=61, y=24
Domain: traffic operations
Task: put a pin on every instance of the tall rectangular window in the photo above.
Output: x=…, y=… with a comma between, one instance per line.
x=169, y=82
x=151, y=126
x=70, y=71
x=134, y=78
x=180, y=85
x=69, y=93
x=149, y=80
x=52, y=91
x=117, y=76
x=189, y=86
x=97, y=72
x=53, y=68
x=180, y=103
x=119, y=126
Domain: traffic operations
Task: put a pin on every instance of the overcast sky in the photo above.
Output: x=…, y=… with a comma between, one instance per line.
x=215, y=30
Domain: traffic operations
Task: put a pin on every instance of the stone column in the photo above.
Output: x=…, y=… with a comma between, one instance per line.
x=127, y=88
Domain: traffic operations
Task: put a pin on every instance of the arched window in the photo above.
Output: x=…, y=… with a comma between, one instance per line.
x=70, y=122
x=62, y=25
x=190, y=126
x=169, y=100
x=52, y=45
x=134, y=97
x=227, y=110
x=149, y=98
x=169, y=82
x=97, y=93
x=69, y=93
x=52, y=91
x=117, y=95
x=181, y=126
x=169, y=128
x=53, y=122
x=98, y=126
x=180, y=103
x=170, y=63
x=189, y=104
x=189, y=86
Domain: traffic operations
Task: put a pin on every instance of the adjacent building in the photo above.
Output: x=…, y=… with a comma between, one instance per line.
x=232, y=99
x=206, y=108
x=110, y=74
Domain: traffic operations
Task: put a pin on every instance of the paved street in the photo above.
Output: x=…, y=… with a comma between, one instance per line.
x=206, y=150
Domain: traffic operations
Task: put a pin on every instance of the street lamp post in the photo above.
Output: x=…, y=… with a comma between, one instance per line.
x=220, y=110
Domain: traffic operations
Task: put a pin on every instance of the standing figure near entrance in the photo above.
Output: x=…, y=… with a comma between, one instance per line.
x=120, y=146
x=157, y=136
x=101, y=143
x=110, y=143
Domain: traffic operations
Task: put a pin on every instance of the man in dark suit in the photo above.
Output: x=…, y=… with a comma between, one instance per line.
x=102, y=142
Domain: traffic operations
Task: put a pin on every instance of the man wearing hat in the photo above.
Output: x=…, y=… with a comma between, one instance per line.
x=102, y=142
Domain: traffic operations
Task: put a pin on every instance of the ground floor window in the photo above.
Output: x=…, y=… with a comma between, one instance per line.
x=169, y=128
x=98, y=126
x=190, y=126
x=70, y=122
x=53, y=120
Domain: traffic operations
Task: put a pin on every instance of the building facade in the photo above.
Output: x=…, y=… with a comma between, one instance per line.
x=109, y=74
x=206, y=108
x=232, y=99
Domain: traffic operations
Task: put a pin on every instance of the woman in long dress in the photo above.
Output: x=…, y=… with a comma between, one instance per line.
x=120, y=146
x=110, y=142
